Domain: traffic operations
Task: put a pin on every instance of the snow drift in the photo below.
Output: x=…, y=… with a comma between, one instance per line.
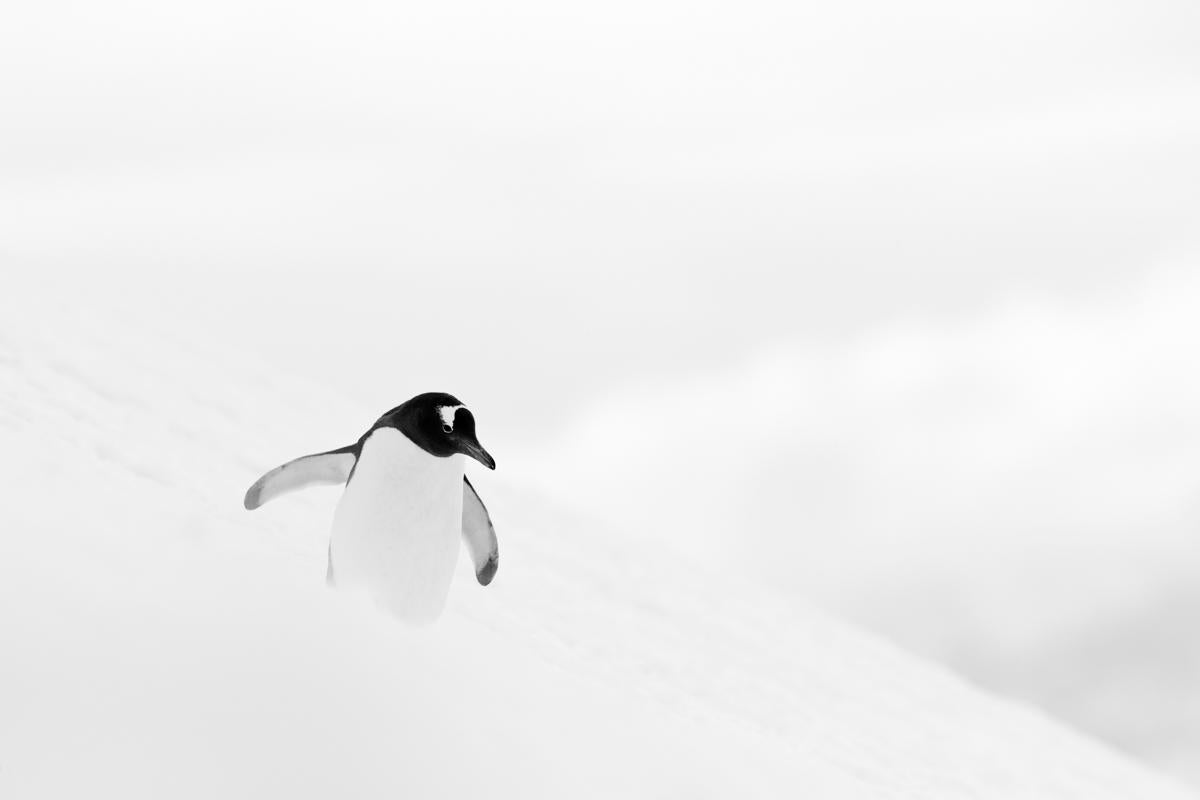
x=159, y=641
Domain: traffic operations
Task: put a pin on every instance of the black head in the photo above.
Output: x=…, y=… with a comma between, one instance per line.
x=439, y=424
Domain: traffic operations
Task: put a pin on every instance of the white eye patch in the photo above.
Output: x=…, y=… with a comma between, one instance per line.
x=447, y=415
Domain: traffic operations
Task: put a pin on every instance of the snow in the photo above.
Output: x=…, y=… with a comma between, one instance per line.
x=1011, y=492
x=162, y=641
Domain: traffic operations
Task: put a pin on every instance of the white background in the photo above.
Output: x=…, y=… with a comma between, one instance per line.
x=893, y=309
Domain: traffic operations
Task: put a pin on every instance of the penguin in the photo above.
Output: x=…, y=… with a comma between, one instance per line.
x=406, y=504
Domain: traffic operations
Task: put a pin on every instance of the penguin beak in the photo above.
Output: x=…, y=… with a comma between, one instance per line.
x=475, y=450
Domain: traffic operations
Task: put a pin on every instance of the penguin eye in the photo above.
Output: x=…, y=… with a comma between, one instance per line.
x=447, y=428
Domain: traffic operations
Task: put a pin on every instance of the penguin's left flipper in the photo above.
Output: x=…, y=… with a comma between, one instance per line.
x=479, y=535
x=332, y=467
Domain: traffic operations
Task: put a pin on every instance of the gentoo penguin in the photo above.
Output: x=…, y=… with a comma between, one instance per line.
x=407, y=502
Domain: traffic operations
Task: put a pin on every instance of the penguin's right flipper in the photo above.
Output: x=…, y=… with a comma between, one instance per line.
x=479, y=535
x=332, y=467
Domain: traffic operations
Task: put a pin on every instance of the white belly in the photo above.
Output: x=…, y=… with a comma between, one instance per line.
x=397, y=527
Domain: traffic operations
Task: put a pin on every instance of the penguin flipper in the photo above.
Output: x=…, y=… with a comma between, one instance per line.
x=332, y=467
x=479, y=535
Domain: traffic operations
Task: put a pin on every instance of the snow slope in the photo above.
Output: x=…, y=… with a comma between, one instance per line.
x=160, y=641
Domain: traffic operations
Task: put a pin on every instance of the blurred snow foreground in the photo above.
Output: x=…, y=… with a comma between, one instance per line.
x=160, y=642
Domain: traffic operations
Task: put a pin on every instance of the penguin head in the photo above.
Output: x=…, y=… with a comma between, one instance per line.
x=440, y=425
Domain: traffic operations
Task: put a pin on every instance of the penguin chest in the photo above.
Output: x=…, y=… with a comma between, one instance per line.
x=396, y=530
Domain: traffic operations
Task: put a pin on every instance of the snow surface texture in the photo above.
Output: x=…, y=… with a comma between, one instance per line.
x=162, y=642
